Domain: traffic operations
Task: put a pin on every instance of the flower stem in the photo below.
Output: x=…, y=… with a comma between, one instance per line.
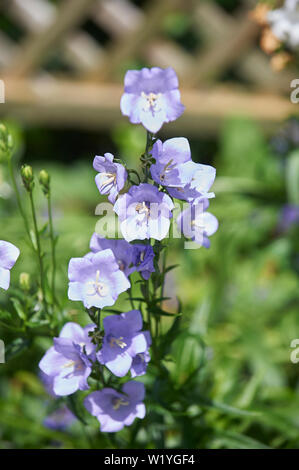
x=53, y=248
x=39, y=253
x=19, y=203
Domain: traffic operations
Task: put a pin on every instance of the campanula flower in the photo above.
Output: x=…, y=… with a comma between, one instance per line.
x=198, y=178
x=124, y=253
x=151, y=97
x=141, y=360
x=169, y=157
x=96, y=279
x=143, y=260
x=68, y=363
x=284, y=22
x=144, y=212
x=111, y=177
x=113, y=409
x=123, y=340
x=197, y=224
x=8, y=256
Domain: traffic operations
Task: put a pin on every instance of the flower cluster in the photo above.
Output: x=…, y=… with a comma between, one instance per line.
x=67, y=365
x=117, y=343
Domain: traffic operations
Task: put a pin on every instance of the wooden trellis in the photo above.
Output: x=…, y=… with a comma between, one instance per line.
x=87, y=92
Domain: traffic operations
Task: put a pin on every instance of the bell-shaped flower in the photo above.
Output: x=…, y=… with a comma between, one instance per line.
x=151, y=97
x=96, y=279
x=111, y=177
x=115, y=410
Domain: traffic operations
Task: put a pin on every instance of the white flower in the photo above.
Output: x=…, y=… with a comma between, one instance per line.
x=284, y=23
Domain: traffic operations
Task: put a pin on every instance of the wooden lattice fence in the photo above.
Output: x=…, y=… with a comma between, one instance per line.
x=84, y=90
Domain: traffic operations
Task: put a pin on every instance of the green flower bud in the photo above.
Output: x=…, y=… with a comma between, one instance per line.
x=25, y=282
x=27, y=177
x=44, y=180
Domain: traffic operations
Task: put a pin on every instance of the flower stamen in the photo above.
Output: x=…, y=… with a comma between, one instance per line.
x=97, y=287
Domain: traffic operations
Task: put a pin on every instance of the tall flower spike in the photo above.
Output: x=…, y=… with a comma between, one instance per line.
x=151, y=97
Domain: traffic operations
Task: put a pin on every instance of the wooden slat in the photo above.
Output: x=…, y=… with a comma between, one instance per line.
x=118, y=17
x=123, y=49
x=37, y=46
x=75, y=104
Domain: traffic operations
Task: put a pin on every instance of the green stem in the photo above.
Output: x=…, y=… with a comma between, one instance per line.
x=53, y=248
x=39, y=253
x=17, y=193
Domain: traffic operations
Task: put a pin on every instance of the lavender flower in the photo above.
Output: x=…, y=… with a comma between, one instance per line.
x=174, y=169
x=151, y=97
x=199, y=180
x=144, y=212
x=96, y=279
x=284, y=23
x=197, y=224
x=60, y=419
x=140, y=361
x=124, y=253
x=113, y=409
x=8, y=256
x=67, y=364
x=144, y=260
x=112, y=176
x=123, y=340
x=169, y=157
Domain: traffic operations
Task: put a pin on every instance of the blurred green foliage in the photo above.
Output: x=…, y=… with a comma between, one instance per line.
x=231, y=382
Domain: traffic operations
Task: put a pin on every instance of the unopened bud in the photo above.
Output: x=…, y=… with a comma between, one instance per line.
x=44, y=180
x=27, y=177
x=24, y=281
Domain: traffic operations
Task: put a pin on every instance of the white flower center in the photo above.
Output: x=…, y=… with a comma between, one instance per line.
x=142, y=208
x=96, y=287
x=110, y=180
x=151, y=101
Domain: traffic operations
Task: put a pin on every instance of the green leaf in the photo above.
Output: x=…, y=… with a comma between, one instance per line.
x=4, y=315
x=234, y=440
x=17, y=346
x=188, y=353
x=19, y=308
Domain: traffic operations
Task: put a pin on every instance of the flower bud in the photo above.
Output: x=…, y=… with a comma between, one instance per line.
x=44, y=180
x=27, y=177
x=24, y=282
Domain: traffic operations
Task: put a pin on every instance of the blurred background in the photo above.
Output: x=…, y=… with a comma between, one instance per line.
x=63, y=63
